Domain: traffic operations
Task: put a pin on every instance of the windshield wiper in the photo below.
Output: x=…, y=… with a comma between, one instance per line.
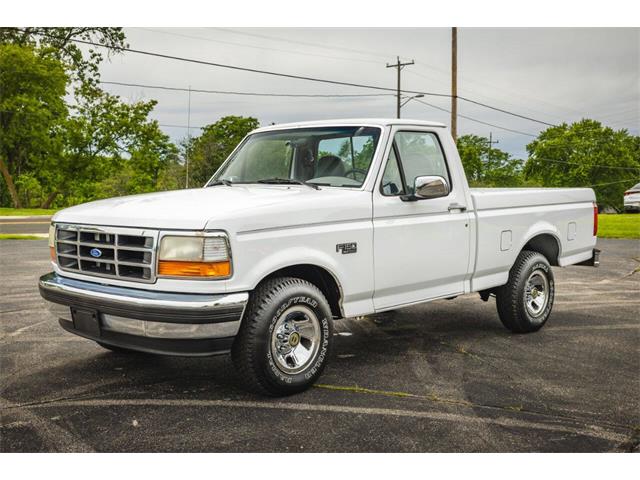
x=228, y=183
x=287, y=181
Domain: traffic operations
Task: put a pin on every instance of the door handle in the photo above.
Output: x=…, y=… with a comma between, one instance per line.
x=457, y=206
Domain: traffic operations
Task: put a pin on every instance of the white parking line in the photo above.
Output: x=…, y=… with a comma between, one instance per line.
x=597, y=302
x=627, y=326
x=583, y=430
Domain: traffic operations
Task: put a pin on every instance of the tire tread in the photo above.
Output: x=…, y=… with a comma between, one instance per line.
x=508, y=296
x=243, y=352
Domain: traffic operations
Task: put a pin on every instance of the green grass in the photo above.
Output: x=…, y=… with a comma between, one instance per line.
x=24, y=212
x=623, y=225
x=19, y=236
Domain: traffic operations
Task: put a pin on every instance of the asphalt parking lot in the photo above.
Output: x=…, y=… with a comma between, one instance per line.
x=445, y=376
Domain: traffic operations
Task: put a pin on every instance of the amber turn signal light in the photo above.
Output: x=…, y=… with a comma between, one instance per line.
x=52, y=252
x=175, y=268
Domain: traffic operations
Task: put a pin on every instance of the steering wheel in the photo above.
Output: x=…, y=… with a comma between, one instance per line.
x=355, y=171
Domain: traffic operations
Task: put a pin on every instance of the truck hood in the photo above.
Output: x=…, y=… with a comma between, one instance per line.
x=248, y=207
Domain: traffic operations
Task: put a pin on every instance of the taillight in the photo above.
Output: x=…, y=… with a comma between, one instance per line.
x=629, y=192
x=595, y=219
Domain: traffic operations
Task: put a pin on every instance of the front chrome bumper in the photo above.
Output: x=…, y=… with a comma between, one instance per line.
x=157, y=322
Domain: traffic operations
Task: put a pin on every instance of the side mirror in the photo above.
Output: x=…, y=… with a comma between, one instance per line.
x=428, y=186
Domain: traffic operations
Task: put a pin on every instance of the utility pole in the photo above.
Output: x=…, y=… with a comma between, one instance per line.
x=491, y=142
x=454, y=83
x=188, y=138
x=399, y=66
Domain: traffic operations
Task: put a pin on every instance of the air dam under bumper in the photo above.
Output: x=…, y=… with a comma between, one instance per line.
x=149, y=321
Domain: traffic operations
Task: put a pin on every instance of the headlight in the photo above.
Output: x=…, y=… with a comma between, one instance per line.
x=194, y=256
x=52, y=242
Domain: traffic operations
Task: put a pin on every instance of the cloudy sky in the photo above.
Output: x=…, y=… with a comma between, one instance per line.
x=553, y=75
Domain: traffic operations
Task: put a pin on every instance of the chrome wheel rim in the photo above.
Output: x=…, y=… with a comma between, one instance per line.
x=537, y=293
x=295, y=339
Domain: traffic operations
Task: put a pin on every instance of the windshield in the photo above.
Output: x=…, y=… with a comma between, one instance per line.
x=329, y=156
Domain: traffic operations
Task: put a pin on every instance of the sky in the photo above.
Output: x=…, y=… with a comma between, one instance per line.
x=550, y=74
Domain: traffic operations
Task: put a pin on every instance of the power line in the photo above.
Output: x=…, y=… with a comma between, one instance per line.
x=611, y=183
x=226, y=92
x=259, y=94
x=580, y=164
x=505, y=111
x=303, y=42
x=259, y=47
x=466, y=99
x=302, y=77
x=305, y=95
x=462, y=79
x=475, y=119
x=247, y=69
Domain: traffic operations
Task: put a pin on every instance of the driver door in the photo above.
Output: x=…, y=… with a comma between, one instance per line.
x=421, y=247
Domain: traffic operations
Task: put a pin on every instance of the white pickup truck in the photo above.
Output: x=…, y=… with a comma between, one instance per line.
x=305, y=224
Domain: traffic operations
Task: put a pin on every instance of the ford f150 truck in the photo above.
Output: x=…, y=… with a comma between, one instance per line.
x=302, y=225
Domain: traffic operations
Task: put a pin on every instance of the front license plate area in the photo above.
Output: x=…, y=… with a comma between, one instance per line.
x=86, y=321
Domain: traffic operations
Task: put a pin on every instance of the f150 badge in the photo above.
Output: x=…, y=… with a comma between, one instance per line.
x=347, y=248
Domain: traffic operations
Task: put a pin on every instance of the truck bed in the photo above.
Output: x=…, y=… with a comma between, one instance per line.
x=506, y=219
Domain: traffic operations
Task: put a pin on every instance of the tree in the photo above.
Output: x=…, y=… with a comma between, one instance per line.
x=485, y=166
x=60, y=43
x=208, y=151
x=32, y=116
x=586, y=154
x=112, y=148
x=96, y=146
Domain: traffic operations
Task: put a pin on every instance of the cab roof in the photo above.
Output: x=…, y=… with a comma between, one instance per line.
x=374, y=122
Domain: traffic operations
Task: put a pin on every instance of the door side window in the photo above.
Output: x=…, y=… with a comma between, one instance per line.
x=420, y=154
x=392, y=179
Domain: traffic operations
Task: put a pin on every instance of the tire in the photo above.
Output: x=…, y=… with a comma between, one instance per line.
x=284, y=315
x=521, y=307
x=119, y=350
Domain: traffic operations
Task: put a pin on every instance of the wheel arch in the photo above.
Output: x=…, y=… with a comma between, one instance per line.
x=321, y=277
x=547, y=244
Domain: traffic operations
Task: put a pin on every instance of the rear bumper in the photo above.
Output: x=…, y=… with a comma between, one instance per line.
x=156, y=322
x=594, y=261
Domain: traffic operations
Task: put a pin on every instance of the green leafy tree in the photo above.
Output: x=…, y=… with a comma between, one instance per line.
x=488, y=167
x=60, y=43
x=113, y=148
x=209, y=150
x=32, y=118
x=586, y=154
x=94, y=147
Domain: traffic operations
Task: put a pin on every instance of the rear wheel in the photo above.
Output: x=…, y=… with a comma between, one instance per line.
x=525, y=302
x=283, y=343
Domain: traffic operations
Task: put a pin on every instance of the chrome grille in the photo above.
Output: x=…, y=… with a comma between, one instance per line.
x=121, y=253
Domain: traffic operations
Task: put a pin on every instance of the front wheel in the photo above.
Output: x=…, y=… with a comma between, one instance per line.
x=284, y=340
x=525, y=302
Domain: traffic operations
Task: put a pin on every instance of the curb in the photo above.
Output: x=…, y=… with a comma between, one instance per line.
x=22, y=236
x=25, y=217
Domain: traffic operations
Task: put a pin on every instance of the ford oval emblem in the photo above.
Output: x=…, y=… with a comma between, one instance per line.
x=96, y=252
